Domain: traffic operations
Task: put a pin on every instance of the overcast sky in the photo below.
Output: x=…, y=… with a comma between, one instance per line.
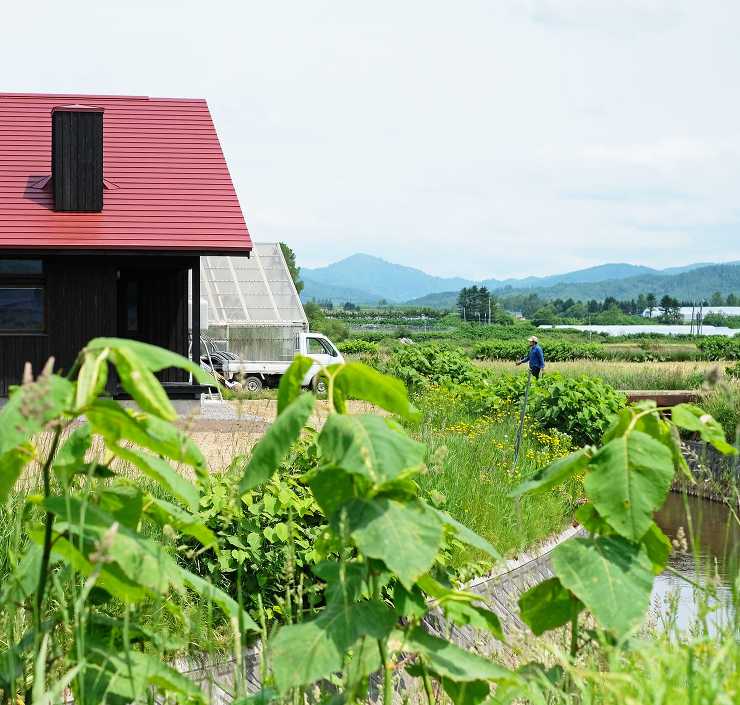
x=477, y=138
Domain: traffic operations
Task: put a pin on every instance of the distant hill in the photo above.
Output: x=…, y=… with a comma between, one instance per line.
x=380, y=279
x=692, y=284
x=316, y=291
x=365, y=279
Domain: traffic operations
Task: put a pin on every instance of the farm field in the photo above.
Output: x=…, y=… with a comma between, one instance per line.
x=205, y=540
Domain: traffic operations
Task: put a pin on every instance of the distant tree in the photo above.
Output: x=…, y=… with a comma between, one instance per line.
x=349, y=306
x=651, y=301
x=547, y=315
x=641, y=304
x=716, y=299
x=295, y=270
x=383, y=302
x=732, y=300
x=593, y=306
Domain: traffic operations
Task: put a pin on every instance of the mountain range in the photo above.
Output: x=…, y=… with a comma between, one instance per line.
x=368, y=279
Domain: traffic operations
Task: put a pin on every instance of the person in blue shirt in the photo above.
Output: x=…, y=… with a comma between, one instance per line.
x=535, y=357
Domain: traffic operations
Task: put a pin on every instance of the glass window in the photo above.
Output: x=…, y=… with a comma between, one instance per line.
x=315, y=347
x=21, y=266
x=21, y=309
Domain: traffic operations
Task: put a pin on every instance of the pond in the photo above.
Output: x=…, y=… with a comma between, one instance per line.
x=710, y=553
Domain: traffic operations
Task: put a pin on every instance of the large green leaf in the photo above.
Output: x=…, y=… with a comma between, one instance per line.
x=291, y=383
x=92, y=377
x=143, y=561
x=275, y=444
x=693, y=418
x=447, y=660
x=116, y=423
x=467, y=535
x=31, y=406
x=548, y=605
x=153, y=357
x=467, y=614
x=610, y=575
x=142, y=385
x=304, y=653
x=629, y=479
x=12, y=463
x=406, y=537
x=466, y=692
x=71, y=456
x=354, y=380
x=556, y=472
x=164, y=513
x=370, y=446
x=658, y=547
x=162, y=473
x=129, y=677
x=331, y=488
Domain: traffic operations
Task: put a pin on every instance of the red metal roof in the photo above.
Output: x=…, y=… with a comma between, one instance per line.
x=167, y=186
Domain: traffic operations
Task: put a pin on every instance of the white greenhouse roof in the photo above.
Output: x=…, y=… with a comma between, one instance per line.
x=254, y=290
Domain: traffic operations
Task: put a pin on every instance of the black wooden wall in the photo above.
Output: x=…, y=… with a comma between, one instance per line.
x=83, y=302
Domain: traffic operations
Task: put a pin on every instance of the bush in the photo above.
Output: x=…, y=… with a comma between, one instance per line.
x=358, y=346
x=555, y=350
x=719, y=348
x=582, y=407
x=417, y=365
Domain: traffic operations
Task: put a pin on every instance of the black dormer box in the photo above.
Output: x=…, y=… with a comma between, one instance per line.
x=77, y=158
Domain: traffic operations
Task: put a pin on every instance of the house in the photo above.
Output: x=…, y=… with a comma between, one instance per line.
x=106, y=205
x=687, y=313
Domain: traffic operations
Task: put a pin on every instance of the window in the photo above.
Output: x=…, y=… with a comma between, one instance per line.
x=316, y=346
x=22, y=299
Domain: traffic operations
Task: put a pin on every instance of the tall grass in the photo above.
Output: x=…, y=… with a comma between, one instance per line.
x=471, y=468
x=627, y=375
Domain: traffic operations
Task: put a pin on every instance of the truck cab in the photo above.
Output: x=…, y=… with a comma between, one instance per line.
x=256, y=374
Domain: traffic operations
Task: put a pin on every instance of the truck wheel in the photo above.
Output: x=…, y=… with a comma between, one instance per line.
x=319, y=385
x=252, y=384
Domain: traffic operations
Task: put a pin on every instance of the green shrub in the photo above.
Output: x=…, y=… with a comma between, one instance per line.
x=583, y=407
x=733, y=370
x=555, y=350
x=719, y=348
x=417, y=365
x=357, y=346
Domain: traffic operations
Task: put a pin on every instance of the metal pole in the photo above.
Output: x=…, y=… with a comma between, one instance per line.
x=521, y=420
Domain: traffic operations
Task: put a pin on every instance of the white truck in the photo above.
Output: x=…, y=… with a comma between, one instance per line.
x=253, y=375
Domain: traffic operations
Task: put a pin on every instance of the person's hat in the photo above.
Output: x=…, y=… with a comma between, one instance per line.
x=533, y=339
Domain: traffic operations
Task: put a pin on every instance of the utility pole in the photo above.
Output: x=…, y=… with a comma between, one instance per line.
x=489, y=309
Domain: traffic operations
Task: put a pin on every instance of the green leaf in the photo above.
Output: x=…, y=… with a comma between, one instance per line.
x=447, y=660
x=592, y=521
x=693, y=418
x=629, y=479
x=291, y=383
x=12, y=463
x=92, y=377
x=275, y=444
x=370, y=446
x=547, y=606
x=211, y=594
x=466, y=692
x=556, y=472
x=142, y=385
x=164, y=513
x=465, y=534
x=153, y=357
x=357, y=381
x=30, y=407
x=410, y=604
x=385, y=529
x=115, y=423
x=143, y=561
x=162, y=473
x=465, y=613
x=128, y=677
x=306, y=652
x=331, y=488
x=71, y=456
x=123, y=502
x=344, y=581
x=658, y=547
x=610, y=575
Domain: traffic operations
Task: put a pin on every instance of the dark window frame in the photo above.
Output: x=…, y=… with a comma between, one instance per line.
x=28, y=280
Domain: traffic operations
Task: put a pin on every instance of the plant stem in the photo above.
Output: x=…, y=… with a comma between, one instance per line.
x=427, y=683
x=48, y=524
x=574, y=635
x=387, y=673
